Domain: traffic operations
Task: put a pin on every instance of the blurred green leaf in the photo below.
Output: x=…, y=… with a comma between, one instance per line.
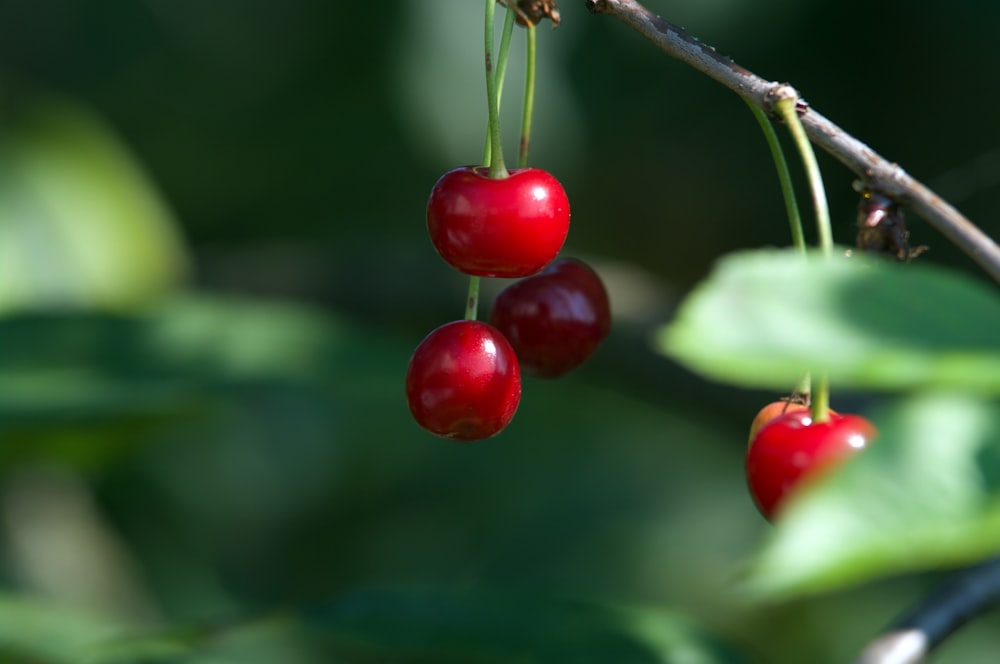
x=81, y=225
x=762, y=318
x=32, y=630
x=482, y=626
x=925, y=494
x=84, y=387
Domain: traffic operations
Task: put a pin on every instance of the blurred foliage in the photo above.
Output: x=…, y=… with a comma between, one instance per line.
x=213, y=268
x=764, y=318
x=80, y=226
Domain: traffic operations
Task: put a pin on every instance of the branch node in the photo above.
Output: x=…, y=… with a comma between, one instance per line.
x=778, y=92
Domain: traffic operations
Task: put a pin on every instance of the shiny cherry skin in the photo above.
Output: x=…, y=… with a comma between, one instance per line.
x=554, y=319
x=792, y=449
x=509, y=227
x=773, y=410
x=463, y=381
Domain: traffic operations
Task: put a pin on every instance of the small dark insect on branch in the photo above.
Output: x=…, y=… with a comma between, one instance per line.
x=875, y=172
x=531, y=12
x=882, y=228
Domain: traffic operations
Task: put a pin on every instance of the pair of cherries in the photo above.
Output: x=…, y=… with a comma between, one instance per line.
x=464, y=379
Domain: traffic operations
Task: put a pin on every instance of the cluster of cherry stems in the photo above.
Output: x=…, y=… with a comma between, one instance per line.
x=463, y=381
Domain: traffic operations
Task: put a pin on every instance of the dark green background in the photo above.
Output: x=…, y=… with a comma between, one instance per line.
x=297, y=142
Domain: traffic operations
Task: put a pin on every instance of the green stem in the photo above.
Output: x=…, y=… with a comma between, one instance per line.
x=497, y=168
x=820, y=406
x=786, y=108
x=472, y=303
x=785, y=180
x=529, y=99
x=501, y=70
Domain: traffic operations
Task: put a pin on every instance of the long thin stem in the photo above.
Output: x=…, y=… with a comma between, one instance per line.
x=500, y=73
x=529, y=98
x=784, y=178
x=497, y=168
x=875, y=171
x=786, y=109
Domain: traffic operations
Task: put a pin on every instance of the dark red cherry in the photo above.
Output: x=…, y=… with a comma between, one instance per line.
x=554, y=319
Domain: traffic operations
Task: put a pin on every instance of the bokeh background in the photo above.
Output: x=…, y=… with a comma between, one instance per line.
x=214, y=267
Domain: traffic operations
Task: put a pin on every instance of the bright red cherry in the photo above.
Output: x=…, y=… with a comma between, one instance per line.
x=554, y=319
x=792, y=448
x=463, y=381
x=773, y=410
x=510, y=227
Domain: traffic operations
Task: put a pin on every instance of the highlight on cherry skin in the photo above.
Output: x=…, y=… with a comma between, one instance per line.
x=792, y=449
x=463, y=381
x=508, y=227
x=554, y=319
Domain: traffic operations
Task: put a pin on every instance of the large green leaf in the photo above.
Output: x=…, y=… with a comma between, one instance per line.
x=762, y=318
x=925, y=494
x=410, y=627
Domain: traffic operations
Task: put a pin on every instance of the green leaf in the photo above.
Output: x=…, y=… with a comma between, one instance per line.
x=486, y=627
x=763, y=318
x=81, y=224
x=924, y=494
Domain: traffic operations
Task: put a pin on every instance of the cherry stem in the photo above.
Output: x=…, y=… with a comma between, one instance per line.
x=472, y=303
x=819, y=406
x=785, y=180
x=501, y=71
x=497, y=168
x=786, y=104
x=493, y=152
x=529, y=98
x=786, y=107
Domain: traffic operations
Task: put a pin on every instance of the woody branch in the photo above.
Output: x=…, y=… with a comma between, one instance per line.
x=874, y=171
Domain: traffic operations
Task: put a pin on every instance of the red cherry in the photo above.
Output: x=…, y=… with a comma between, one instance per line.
x=791, y=449
x=555, y=319
x=510, y=227
x=773, y=410
x=463, y=381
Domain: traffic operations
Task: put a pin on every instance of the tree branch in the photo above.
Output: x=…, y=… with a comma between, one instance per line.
x=967, y=595
x=874, y=170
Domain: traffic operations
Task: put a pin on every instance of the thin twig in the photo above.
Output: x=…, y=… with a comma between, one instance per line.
x=967, y=595
x=875, y=171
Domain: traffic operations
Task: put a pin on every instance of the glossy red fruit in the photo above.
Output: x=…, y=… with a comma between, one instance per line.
x=463, y=381
x=774, y=410
x=510, y=227
x=554, y=319
x=792, y=449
